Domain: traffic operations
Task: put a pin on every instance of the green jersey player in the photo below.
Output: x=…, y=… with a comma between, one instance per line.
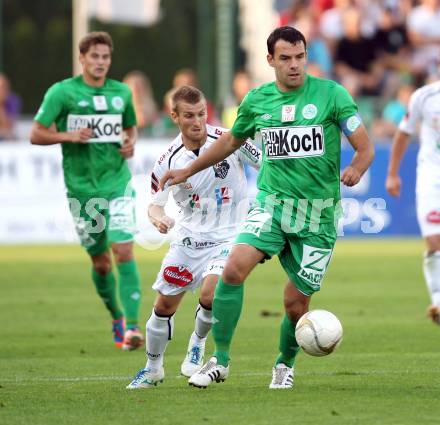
x=93, y=119
x=300, y=119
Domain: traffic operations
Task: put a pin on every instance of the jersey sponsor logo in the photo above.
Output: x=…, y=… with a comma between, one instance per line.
x=106, y=128
x=118, y=103
x=433, y=217
x=293, y=142
x=288, y=113
x=314, y=264
x=189, y=242
x=83, y=103
x=255, y=153
x=163, y=156
x=309, y=111
x=221, y=169
x=179, y=275
x=222, y=195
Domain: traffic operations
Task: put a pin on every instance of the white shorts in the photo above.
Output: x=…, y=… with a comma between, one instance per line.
x=183, y=269
x=428, y=212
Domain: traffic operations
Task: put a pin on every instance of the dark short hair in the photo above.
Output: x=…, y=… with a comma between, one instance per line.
x=187, y=94
x=95, y=37
x=289, y=34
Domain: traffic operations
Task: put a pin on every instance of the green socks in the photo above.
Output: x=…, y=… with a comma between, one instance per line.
x=130, y=292
x=288, y=346
x=106, y=288
x=226, y=310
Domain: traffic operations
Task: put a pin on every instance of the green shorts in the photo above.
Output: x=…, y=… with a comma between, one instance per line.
x=303, y=254
x=103, y=220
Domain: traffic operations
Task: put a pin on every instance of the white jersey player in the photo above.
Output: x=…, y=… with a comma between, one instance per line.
x=423, y=117
x=212, y=205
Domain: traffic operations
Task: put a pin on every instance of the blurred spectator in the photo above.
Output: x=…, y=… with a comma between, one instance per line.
x=355, y=65
x=143, y=100
x=391, y=37
x=188, y=77
x=165, y=126
x=241, y=84
x=423, y=27
x=393, y=112
x=319, y=60
x=10, y=105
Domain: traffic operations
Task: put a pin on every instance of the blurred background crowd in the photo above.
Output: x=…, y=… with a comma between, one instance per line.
x=380, y=50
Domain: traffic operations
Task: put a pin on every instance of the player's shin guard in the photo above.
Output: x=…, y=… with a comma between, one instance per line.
x=106, y=288
x=130, y=292
x=431, y=269
x=159, y=332
x=203, y=321
x=288, y=345
x=226, y=310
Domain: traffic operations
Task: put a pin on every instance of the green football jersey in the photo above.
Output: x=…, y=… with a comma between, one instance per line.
x=301, y=134
x=95, y=167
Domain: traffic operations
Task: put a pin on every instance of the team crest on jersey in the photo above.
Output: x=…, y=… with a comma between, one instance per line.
x=117, y=103
x=194, y=201
x=288, y=113
x=309, y=111
x=221, y=169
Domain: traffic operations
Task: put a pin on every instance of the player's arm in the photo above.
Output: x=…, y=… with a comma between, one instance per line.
x=41, y=135
x=220, y=149
x=130, y=138
x=363, y=157
x=157, y=216
x=393, y=183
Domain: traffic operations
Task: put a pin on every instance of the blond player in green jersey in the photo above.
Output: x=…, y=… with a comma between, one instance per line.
x=300, y=118
x=93, y=119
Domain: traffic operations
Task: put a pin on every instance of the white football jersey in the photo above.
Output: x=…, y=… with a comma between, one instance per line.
x=424, y=112
x=212, y=202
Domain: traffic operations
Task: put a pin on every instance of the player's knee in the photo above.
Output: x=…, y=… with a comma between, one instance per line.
x=102, y=264
x=123, y=252
x=433, y=243
x=164, y=308
x=233, y=273
x=295, y=309
x=206, y=299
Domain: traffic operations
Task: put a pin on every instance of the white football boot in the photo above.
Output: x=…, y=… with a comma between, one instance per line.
x=209, y=373
x=146, y=378
x=282, y=377
x=194, y=357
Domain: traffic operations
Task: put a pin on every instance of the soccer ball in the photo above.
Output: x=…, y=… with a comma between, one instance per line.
x=318, y=332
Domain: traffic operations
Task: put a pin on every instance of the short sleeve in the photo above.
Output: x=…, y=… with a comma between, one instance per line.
x=158, y=197
x=244, y=125
x=52, y=106
x=412, y=117
x=129, y=117
x=344, y=105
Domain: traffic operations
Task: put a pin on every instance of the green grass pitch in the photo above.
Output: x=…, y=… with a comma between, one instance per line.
x=58, y=364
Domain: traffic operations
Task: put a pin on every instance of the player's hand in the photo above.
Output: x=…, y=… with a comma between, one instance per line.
x=127, y=148
x=172, y=177
x=165, y=224
x=81, y=136
x=350, y=176
x=393, y=185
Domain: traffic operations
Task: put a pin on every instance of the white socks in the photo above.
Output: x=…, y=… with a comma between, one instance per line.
x=431, y=269
x=159, y=332
x=203, y=322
